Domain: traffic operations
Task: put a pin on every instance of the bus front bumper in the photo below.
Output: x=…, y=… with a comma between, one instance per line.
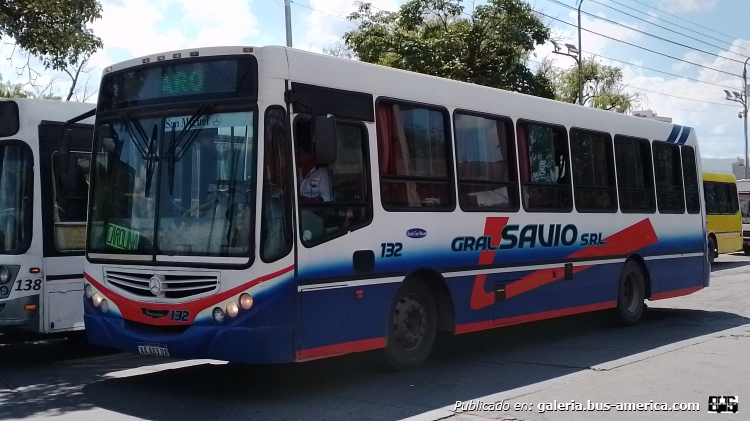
x=22, y=312
x=256, y=345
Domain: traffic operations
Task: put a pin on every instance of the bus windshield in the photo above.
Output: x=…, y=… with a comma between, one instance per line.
x=173, y=185
x=15, y=198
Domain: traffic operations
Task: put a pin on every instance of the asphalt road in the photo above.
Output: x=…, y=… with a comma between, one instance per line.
x=578, y=357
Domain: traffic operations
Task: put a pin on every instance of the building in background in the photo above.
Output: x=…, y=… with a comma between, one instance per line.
x=738, y=169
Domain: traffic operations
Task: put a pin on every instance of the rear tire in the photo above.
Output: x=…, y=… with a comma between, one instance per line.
x=630, y=294
x=712, y=252
x=746, y=249
x=412, y=327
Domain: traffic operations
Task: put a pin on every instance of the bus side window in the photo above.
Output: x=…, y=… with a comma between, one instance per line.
x=635, y=178
x=276, y=214
x=593, y=171
x=544, y=167
x=333, y=199
x=690, y=173
x=735, y=200
x=415, y=164
x=712, y=204
x=70, y=198
x=668, y=167
x=486, y=162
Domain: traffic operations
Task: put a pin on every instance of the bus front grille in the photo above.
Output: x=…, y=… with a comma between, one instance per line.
x=169, y=285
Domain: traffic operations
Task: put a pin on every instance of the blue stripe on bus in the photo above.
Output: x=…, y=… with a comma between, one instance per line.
x=675, y=131
x=684, y=136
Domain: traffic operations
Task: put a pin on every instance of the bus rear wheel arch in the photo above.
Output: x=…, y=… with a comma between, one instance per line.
x=631, y=293
x=412, y=326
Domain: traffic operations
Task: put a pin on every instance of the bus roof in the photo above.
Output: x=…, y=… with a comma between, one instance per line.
x=719, y=176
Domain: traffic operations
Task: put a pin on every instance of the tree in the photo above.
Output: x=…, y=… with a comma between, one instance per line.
x=13, y=90
x=55, y=31
x=437, y=37
x=602, y=86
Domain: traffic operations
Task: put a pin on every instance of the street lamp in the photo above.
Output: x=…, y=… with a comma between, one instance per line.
x=742, y=99
x=574, y=53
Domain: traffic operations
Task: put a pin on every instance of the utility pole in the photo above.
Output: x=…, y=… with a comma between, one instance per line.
x=742, y=99
x=580, y=57
x=288, y=13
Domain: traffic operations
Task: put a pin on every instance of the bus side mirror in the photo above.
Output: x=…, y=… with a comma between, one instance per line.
x=64, y=160
x=325, y=138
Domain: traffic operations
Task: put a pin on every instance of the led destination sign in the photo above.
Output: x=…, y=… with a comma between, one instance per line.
x=179, y=81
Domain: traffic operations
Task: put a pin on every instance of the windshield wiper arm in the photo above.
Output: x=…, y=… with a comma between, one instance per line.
x=128, y=123
x=151, y=159
x=173, y=155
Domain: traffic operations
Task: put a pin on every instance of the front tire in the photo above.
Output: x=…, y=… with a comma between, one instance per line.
x=412, y=327
x=711, y=250
x=631, y=294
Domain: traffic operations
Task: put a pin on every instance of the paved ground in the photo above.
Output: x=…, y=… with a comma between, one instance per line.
x=684, y=350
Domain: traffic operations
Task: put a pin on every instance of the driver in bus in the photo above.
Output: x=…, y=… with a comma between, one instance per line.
x=315, y=184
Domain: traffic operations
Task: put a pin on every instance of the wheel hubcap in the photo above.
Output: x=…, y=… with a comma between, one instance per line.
x=409, y=322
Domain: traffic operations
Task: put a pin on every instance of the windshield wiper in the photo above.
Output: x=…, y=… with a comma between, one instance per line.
x=151, y=160
x=176, y=149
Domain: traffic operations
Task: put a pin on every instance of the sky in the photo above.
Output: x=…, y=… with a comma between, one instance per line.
x=692, y=95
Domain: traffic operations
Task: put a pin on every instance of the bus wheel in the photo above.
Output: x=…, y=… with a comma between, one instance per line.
x=412, y=327
x=711, y=250
x=631, y=294
x=746, y=249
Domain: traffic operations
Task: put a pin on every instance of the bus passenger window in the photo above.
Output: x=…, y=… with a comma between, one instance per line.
x=486, y=163
x=690, y=173
x=635, y=178
x=593, y=171
x=712, y=202
x=668, y=167
x=415, y=167
x=333, y=199
x=544, y=167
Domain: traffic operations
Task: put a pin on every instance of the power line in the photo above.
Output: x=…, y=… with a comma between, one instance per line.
x=642, y=48
x=659, y=71
x=655, y=92
x=671, y=30
x=325, y=13
x=644, y=32
x=685, y=20
x=671, y=23
x=679, y=97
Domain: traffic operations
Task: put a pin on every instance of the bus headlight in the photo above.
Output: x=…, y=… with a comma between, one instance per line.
x=88, y=290
x=4, y=275
x=218, y=315
x=104, y=306
x=246, y=301
x=232, y=309
x=96, y=298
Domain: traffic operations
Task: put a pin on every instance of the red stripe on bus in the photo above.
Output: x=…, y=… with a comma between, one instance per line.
x=132, y=310
x=630, y=239
x=340, y=349
x=493, y=227
x=489, y=324
x=675, y=293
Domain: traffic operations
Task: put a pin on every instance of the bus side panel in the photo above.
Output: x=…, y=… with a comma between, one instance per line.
x=594, y=285
x=671, y=277
x=342, y=320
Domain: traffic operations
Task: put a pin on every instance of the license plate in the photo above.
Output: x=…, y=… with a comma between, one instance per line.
x=157, y=350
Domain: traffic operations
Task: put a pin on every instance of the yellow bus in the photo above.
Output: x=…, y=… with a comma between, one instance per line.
x=724, y=220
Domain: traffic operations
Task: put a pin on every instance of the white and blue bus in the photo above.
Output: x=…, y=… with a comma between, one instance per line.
x=44, y=168
x=268, y=205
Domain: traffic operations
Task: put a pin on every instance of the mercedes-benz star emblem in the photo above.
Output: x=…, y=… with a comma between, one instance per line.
x=154, y=284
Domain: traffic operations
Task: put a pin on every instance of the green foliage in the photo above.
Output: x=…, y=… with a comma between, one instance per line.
x=602, y=87
x=55, y=31
x=13, y=90
x=437, y=37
